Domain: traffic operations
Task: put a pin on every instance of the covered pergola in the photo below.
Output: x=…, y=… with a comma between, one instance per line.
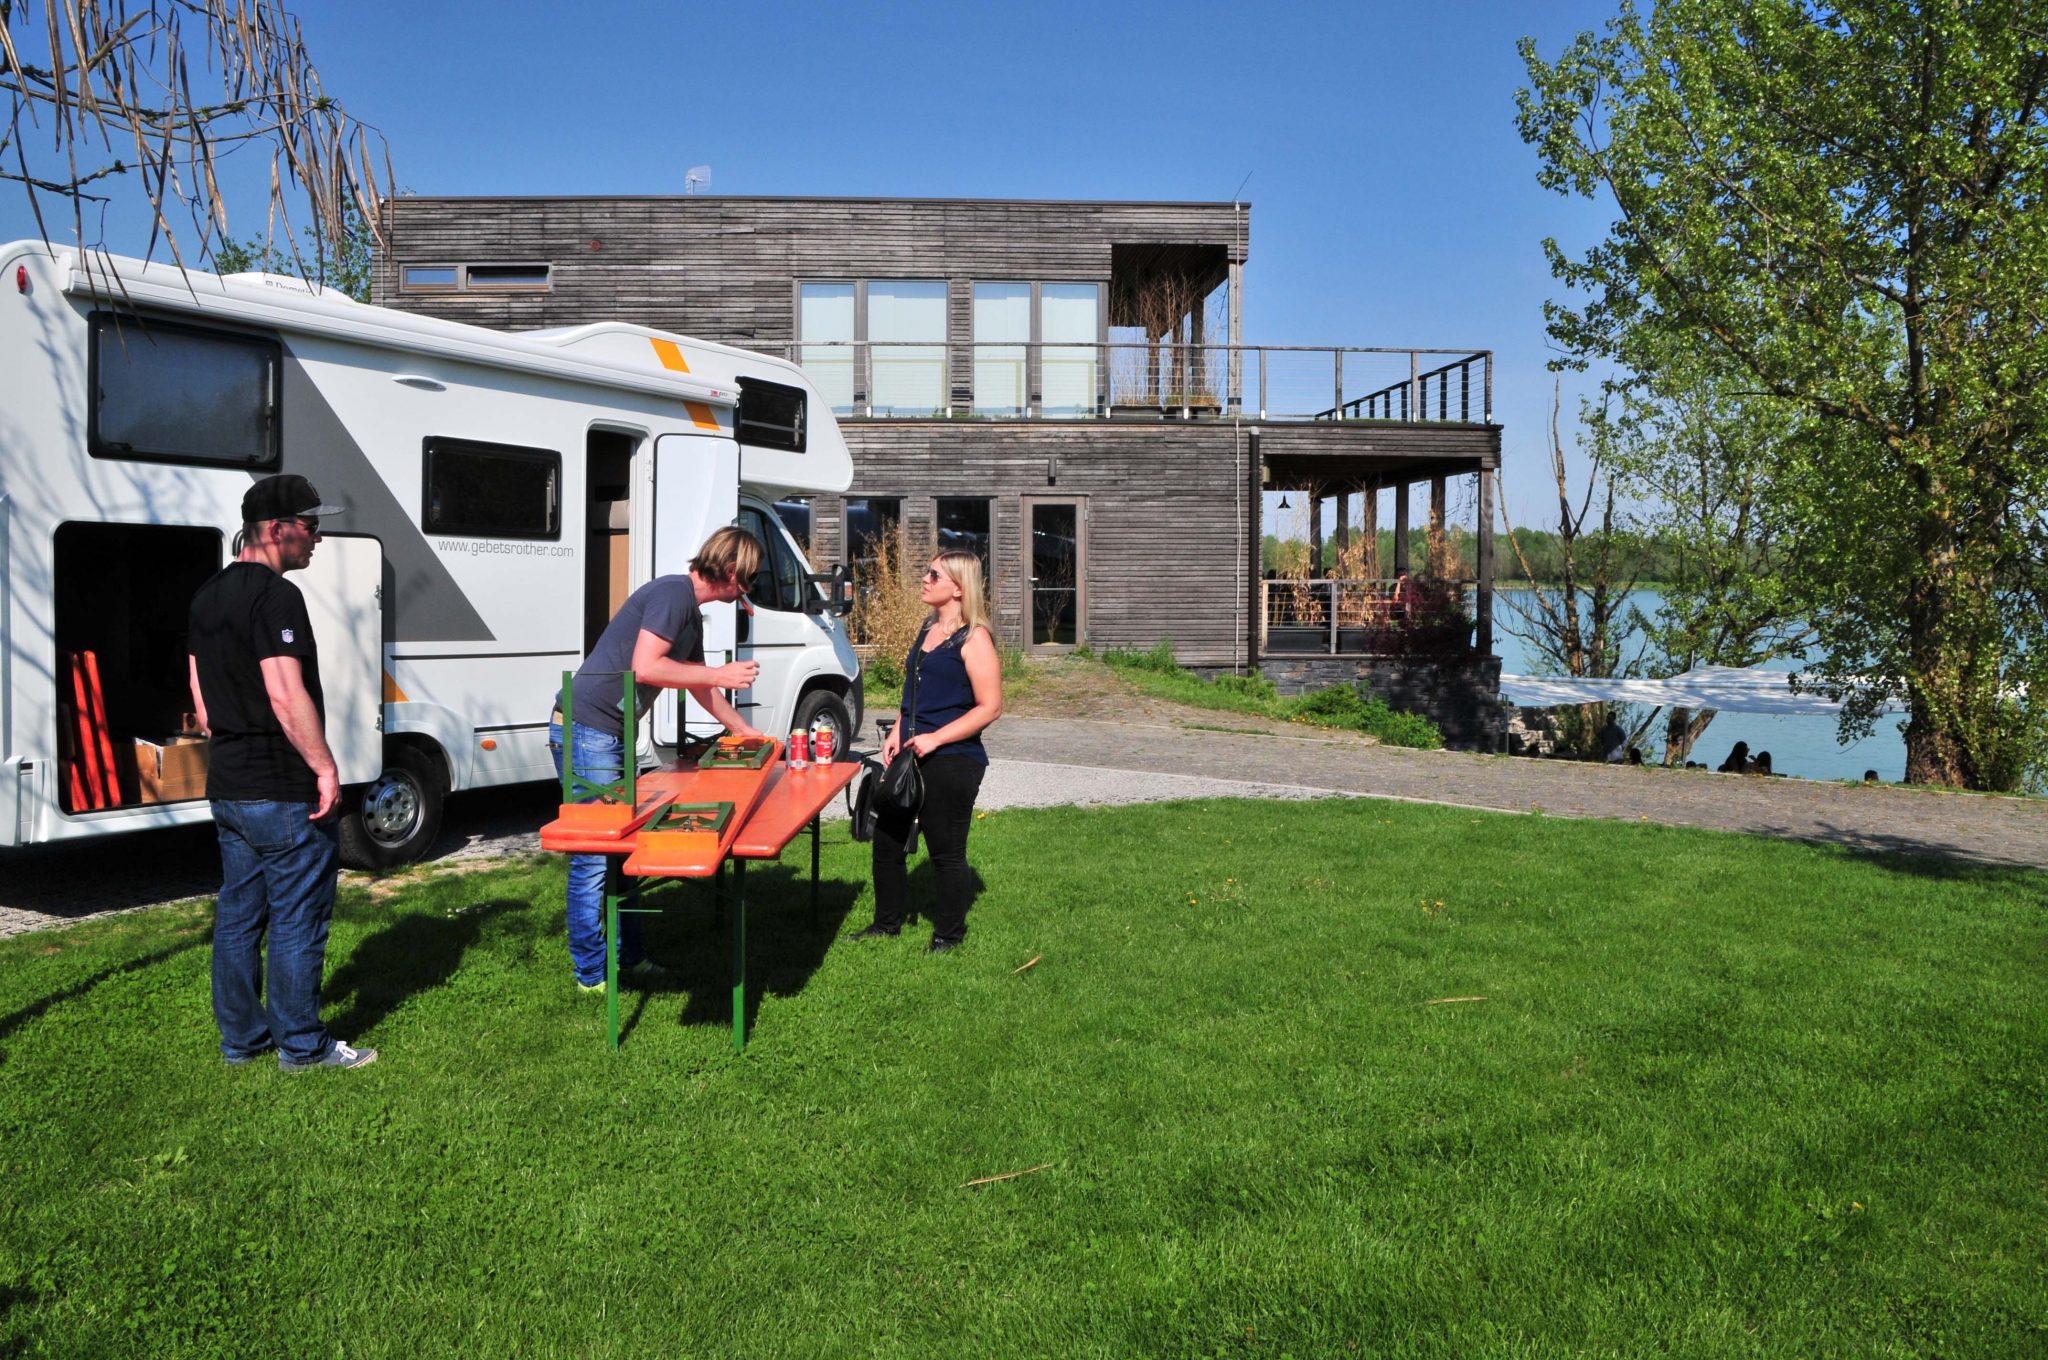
x=1327, y=465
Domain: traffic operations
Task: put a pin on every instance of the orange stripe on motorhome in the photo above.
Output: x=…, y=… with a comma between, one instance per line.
x=392, y=693
x=701, y=415
x=670, y=354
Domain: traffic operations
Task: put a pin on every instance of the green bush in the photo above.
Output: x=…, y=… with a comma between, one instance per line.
x=1159, y=659
x=1345, y=706
x=1251, y=686
x=1339, y=706
x=882, y=671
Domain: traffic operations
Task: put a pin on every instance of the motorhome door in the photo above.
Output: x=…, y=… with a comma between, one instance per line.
x=696, y=491
x=344, y=598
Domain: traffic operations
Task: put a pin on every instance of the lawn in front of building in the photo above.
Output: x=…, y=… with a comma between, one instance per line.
x=1335, y=1078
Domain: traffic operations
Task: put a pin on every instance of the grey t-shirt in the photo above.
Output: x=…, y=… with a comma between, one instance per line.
x=665, y=607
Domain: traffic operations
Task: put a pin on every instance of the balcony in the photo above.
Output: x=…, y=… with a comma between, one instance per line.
x=995, y=380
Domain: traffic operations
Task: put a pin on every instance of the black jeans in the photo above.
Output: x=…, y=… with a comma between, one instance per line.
x=950, y=786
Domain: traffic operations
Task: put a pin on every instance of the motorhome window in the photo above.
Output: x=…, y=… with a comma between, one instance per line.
x=490, y=277
x=492, y=490
x=429, y=278
x=163, y=392
x=795, y=514
x=771, y=415
x=780, y=582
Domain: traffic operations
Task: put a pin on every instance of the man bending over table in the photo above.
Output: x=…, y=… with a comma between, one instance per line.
x=658, y=634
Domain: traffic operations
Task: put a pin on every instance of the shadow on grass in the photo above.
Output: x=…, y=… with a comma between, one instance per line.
x=35, y=1009
x=411, y=955
x=1921, y=858
x=692, y=937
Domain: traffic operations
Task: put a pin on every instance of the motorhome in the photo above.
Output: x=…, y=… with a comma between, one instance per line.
x=503, y=493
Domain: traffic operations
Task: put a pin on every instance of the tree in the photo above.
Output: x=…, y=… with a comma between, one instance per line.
x=104, y=89
x=1578, y=620
x=1694, y=449
x=1843, y=205
x=345, y=267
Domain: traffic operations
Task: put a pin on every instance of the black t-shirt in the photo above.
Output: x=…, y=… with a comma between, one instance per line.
x=245, y=614
x=666, y=607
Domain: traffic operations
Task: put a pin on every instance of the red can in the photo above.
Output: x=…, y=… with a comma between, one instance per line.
x=821, y=745
x=799, y=749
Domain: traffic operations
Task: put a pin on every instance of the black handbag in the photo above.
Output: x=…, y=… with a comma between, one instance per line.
x=860, y=802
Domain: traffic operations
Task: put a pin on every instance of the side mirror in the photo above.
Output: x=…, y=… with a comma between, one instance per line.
x=833, y=593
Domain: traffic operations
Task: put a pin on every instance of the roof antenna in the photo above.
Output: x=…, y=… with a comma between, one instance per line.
x=1234, y=193
x=697, y=179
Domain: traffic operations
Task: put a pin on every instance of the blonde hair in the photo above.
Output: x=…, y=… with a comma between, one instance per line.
x=964, y=569
x=729, y=555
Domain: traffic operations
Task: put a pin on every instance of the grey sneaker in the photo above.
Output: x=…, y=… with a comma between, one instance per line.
x=341, y=1055
x=645, y=972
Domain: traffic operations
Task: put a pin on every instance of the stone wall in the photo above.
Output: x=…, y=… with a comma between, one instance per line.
x=1460, y=693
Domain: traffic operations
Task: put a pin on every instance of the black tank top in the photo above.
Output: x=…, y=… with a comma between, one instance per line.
x=944, y=693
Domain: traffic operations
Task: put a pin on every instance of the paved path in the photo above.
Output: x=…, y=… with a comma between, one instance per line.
x=1043, y=762
x=1973, y=828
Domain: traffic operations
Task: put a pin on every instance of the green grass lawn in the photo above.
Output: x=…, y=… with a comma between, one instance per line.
x=1724, y=1096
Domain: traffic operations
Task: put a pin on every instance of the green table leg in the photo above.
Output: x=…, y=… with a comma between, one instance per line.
x=611, y=946
x=739, y=956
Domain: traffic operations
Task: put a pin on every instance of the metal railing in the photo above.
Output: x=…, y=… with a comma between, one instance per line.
x=1381, y=617
x=1124, y=380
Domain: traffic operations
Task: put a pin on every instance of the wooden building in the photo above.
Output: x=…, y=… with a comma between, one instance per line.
x=1062, y=385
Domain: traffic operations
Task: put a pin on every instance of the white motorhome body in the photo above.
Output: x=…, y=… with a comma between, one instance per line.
x=503, y=493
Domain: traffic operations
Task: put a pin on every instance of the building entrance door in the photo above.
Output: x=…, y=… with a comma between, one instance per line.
x=1055, y=573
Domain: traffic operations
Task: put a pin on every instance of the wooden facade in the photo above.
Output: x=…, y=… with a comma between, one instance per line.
x=1169, y=508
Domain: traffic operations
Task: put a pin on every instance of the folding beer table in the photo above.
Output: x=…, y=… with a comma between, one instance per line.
x=739, y=801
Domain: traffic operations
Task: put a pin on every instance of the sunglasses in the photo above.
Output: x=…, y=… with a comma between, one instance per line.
x=933, y=574
x=310, y=523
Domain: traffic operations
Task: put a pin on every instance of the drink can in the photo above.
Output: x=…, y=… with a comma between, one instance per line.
x=799, y=749
x=822, y=745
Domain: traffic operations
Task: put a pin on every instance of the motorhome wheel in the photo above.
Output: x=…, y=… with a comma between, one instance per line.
x=823, y=708
x=397, y=816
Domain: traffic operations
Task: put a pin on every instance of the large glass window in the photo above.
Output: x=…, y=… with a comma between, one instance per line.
x=492, y=490
x=871, y=528
x=963, y=527
x=907, y=347
x=1070, y=316
x=825, y=325
x=1002, y=333
x=162, y=392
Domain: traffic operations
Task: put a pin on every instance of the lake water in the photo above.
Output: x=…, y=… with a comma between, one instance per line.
x=1804, y=746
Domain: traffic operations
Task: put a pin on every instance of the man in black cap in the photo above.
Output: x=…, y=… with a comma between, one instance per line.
x=272, y=782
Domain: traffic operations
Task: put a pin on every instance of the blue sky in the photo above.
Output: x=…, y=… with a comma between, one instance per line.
x=1392, y=201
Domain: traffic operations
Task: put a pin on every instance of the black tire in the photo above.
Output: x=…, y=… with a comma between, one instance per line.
x=395, y=818
x=823, y=708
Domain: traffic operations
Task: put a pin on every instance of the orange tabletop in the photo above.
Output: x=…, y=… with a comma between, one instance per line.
x=623, y=831
x=789, y=805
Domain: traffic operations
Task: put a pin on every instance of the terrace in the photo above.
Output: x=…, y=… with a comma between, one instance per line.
x=1349, y=430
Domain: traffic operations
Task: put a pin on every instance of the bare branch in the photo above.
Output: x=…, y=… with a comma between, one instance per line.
x=91, y=71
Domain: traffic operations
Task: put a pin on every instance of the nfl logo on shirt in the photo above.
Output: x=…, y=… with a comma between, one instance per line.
x=287, y=634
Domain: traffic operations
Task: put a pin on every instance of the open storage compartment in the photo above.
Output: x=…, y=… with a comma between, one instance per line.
x=123, y=594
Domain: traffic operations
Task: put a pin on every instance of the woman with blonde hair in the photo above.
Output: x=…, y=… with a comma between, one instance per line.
x=952, y=689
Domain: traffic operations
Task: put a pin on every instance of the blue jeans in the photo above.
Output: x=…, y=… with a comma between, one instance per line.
x=277, y=877
x=599, y=755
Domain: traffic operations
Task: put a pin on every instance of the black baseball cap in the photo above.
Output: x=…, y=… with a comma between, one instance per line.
x=284, y=497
